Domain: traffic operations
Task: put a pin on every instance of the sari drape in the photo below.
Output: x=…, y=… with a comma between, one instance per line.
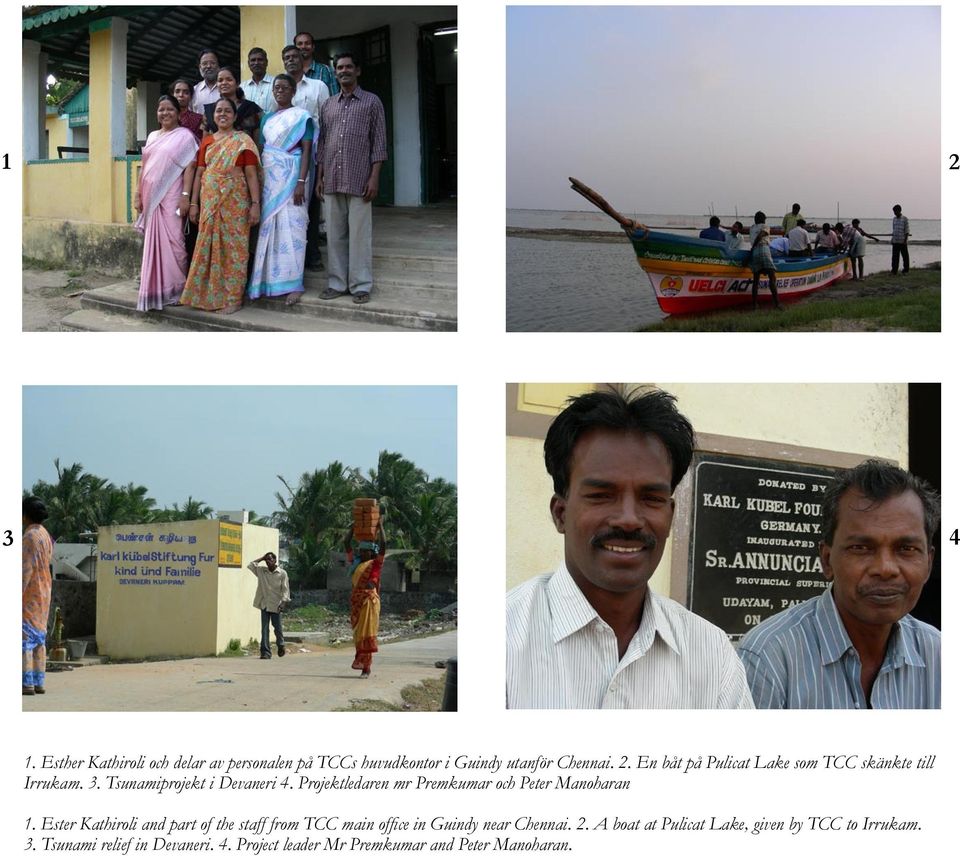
x=365, y=611
x=282, y=243
x=163, y=271
x=37, y=584
x=218, y=273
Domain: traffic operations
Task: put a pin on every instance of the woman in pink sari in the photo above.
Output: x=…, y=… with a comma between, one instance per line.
x=169, y=161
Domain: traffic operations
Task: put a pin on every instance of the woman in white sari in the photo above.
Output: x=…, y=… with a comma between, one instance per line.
x=287, y=135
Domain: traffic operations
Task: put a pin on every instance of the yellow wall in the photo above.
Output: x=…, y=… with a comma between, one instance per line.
x=197, y=617
x=58, y=190
x=236, y=617
x=56, y=134
x=859, y=418
x=262, y=27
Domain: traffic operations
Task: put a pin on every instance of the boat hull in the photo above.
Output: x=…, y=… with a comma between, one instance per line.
x=695, y=275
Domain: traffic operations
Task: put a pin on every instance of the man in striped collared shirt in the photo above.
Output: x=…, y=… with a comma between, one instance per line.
x=856, y=645
x=353, y=147
x=593, y=634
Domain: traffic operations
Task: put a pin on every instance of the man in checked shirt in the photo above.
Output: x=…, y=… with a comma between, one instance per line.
x=352, y=149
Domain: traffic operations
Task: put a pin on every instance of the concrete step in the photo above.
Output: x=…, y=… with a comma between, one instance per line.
x=385, y=312
x=390, y=259
x=415, y=284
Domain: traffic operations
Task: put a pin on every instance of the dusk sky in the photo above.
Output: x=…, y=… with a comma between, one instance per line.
x=226, y=445
x=667, y=109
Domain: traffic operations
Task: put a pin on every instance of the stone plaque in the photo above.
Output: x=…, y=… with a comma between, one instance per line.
x=754, y=540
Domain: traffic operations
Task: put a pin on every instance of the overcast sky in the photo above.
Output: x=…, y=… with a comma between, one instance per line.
x=667, y=109
x=226, y=445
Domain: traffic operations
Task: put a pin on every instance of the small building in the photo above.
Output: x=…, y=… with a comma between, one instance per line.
x=178, y=589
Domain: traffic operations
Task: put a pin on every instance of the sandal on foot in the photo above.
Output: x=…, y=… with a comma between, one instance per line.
x=330, y=294
x=363, y=297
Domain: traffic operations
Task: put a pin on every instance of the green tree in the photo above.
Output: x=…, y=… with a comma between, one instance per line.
x=192, y=509
x=395, y=484
x=72, y=501
x=313, y=517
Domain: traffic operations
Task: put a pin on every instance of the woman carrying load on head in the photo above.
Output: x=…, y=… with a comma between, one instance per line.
x=225, y=202
x=162, y=199
x=287, y=134
x=37, y=584
x=365, y=596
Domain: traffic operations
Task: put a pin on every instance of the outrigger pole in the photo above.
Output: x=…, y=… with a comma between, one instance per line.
x=595, y=198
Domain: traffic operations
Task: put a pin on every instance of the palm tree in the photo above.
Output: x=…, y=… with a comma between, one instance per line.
x=71, y=502
x=395, y=484
x=314, y=515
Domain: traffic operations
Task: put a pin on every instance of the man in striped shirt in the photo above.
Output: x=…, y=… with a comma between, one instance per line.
x=592, y=634
x=900, y=232
x=856, y=645
x=352, y=150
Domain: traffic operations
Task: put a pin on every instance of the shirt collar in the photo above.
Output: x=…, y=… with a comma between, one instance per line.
x=355, y=94
x=835, y=641
x=570, y=611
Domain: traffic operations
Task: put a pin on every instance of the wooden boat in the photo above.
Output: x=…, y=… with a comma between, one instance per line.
x=697, y=275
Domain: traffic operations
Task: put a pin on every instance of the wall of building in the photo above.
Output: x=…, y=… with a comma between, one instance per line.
x=867, y=419
x=404, y=23
x=110, y=248
x=54, y=187
x=236, y=616
x=56, y=134
x=166, y=594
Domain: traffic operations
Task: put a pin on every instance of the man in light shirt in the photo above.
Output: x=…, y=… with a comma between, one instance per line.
x=206, y=91
x=259, y=88
x=592, y=634
x=273, y=594
x=798, y=239
x=856, y=646
x=309, y=95
x=900, y=233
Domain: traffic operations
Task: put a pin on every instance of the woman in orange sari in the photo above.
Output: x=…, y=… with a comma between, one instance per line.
x=365, y=598
x=37, y=556
x=225, y=202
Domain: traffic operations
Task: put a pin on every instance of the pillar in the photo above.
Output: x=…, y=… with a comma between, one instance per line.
x=34, y=100
x=108, y=102
x=267, y=27
x=148, y=93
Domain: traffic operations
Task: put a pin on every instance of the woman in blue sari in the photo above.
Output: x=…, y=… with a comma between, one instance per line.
x=287, y=135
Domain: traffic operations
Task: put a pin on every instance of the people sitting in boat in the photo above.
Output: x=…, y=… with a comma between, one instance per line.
x=760, y=259
x=735, y=238
x=798, y=239
x=779, y=246
x=841, y=232
x=714, y=233
x=827, y=239
x=790, y=220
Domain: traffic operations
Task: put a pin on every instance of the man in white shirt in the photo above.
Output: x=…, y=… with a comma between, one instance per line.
x=309, y=95
x=206, y=91
x=259, y=88
x=592, y=634
x=273, y=594
x=798, y=239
